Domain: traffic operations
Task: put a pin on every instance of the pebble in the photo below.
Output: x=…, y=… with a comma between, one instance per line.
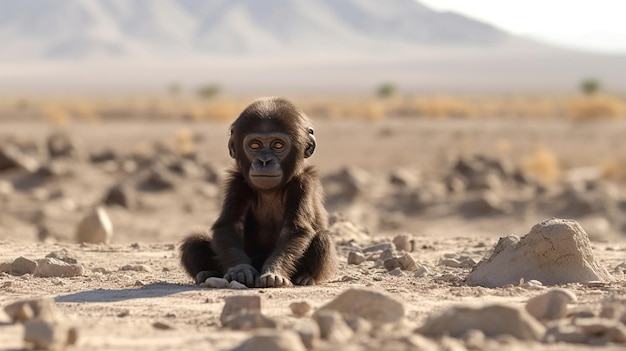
x=248, y=320
x=300, y=309
x=550, y=305
x=5, y=267
x=396, y=272
x=51, y=267
x=421, y=271
x=215, y=282
x=236, y=285
x=309, y=333
x=95, y=228
x=355, y=258
x=52, y=336
x=240, y=303
x=22, y=266
x=332, y=326
x=136, y=268
x=379, y=247
x=403, y=242
x=373, y=306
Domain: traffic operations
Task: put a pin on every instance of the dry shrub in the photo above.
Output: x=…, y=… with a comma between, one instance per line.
x=595, y=107
x=542, y=165
x=184, y=143
x=614, y=170
x=56, y=114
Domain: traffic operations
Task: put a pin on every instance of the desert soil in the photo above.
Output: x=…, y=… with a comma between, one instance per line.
x=116, y=309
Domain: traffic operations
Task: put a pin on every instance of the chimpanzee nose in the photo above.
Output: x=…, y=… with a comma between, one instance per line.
x=266, y=160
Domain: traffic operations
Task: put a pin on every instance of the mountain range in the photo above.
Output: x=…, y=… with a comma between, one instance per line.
x=276, y=46
x=35, y=29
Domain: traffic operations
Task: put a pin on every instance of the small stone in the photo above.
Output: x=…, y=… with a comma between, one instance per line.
x=215, y=282
x=421, y=271
x=300, y=309
x=403, y=242
x=240, y=303
x=62, y=255
x=121, y=195
x=22, y=266
x=613, y=311
x=309, y=333
x=272, y=340
x=136, y=268
x=332, y=326
x=236, y=285
x=22, y=311
x=396, y=272
x=492, y=320
x=248, y=320
x=355, y=258
x=51, y=267
x=162, y=326
x=550, y=305
x=373, y=306
x=47, y=335
x=5, y=267
x=95, y=227
x=378, y=247
x=158, y=179
x=387, y=254
x=449, y=262
x=407, y=262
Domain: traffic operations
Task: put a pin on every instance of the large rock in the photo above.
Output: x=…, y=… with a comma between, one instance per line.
x=556, y=251
x=373, y=306
x=492, y=320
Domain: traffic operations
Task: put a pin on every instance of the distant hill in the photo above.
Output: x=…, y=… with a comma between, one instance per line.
x=35, y=29
x=276, y=47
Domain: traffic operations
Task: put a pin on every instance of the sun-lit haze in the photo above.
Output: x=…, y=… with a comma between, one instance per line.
x=590, y=25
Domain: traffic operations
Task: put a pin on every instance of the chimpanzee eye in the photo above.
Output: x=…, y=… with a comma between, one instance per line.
x=255, y=145
x=278, y=145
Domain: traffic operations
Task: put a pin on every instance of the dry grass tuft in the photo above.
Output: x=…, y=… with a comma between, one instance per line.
x=542, y=165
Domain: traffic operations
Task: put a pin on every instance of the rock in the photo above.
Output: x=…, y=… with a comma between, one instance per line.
x=272, y=340
x=248, y=320
x=11, y=157
x=5, y=267
x=387, y=254
x=493, y=320
x=22, y=266
x=421, y=271
x=332, y=326
x=587, y=330
x=555, y=251
x=550, y=305
x=405, y=262
x=95, y=227
x=404, y=177
x=51, y=267
x=158, y=179
x=373, y=306
x=309, y=333
x=102, y=156
x=344, y=231
x=215, y=282
x=62, y=255
x=239, y=304
x=136, y=268
x=396, y=272
x=403, y=242
x=355, y=258
x=162, y=326
x=236, y=285
x=45, y=335
x=613, y=311
x=121, y=195
x=488, y=203
x=22, y=311
x=61, y=145
x=300, y=309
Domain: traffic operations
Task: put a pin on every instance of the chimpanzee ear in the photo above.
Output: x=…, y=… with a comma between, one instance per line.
x=310, y=146
x=231, y=145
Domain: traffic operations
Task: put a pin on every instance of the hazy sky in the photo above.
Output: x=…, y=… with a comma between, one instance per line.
x=598, y=25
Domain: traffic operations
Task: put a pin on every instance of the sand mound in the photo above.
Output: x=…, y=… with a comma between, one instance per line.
x=556, y=251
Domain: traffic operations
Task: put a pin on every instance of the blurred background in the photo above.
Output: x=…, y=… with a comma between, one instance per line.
x=436, y=117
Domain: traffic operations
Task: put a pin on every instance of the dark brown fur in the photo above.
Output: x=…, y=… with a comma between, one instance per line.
x=277, y=236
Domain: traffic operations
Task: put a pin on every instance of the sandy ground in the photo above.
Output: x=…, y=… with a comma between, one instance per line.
x=117, y=309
